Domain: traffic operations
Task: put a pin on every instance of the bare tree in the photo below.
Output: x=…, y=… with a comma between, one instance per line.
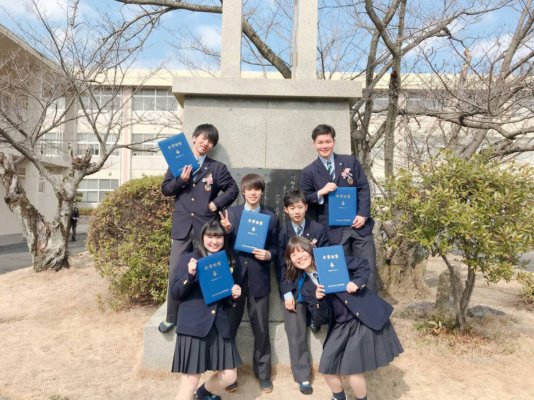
x=69, y=72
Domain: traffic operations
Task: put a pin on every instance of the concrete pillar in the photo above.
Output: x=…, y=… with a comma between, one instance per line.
x=305, y=51
x=232, y=26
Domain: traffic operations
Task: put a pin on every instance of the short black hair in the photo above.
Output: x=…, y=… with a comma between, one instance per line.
x=323, y=129
x=294, y=196
x=252, y=181
x=209, y=131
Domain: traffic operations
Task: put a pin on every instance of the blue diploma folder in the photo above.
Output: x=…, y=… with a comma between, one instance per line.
x=215, y=277
x=332, y=268
x=342, y=206
x=252, y=231
x=178, y=154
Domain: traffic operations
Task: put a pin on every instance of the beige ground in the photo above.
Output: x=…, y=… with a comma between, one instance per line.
x=56, y=343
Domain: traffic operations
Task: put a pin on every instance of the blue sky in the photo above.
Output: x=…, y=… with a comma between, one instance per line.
x=208, y=26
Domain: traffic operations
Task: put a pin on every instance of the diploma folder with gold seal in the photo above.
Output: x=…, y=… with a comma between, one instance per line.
x=252, y=231
x=215, y=277
x=332, y=268
x=342, y=206
x=178, y=154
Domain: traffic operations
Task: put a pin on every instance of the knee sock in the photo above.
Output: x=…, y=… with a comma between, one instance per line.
x=202, y=392
x=340, y=395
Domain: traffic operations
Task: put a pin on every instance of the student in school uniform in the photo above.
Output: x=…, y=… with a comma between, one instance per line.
x=204, y=341
x=295, y=311
x=197, y=202
x=255, y=280
x=322, y=177
x=360, y=335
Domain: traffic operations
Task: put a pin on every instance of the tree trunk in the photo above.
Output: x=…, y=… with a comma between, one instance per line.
x=456, y=282
x=46, y=241
x=391, y=119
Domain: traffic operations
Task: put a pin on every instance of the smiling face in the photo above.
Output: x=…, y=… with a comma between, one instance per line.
x=201, y=145
x=301, y=259
x=296, y=212
x=324, y=144
x=252, y=197
x=213, y=243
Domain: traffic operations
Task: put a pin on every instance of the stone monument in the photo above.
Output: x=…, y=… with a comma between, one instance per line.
x=265, y=127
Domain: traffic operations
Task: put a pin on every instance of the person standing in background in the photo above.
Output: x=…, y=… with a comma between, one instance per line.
x=75, y=215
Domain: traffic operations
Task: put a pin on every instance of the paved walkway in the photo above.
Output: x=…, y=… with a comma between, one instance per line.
x=14, y=253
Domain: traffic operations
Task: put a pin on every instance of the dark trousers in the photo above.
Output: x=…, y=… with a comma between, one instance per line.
x=363, y=247
x=258, y=312
x=73, y=225
x=178, y=249
x=295, y=323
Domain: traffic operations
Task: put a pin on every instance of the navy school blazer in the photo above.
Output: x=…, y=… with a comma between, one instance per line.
x=315, y=177
x=195, y=318
x=193, y=197
x=312, y=230
x=372, y=310
x=259, y=272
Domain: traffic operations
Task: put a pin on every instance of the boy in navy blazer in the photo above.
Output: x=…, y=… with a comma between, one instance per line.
x=197, y=202
x=322, y=177
x=255, y=280
x=295, y=311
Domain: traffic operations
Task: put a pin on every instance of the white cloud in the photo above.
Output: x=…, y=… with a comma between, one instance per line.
x=210, y=35
x=496, y=46
x=54, y=9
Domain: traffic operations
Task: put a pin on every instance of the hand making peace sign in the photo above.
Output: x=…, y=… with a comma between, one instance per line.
x=225, y=222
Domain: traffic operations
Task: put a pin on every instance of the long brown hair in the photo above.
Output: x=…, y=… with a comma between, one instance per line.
x=296, y=243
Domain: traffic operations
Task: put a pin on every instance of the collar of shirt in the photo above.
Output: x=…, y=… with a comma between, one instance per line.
x=295, y=226
x=331, y=160
x=201, y=160
x=247, y=208
x=313, y=278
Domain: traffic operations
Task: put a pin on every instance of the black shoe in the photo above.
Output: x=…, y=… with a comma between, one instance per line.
x=232, y=388
x=165, y=327
x=266, y=385
x=315, y=329
x=305, y=388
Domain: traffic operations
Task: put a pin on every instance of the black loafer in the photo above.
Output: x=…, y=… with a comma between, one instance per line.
x=232, y=388
x=266, y=385
x=164, y=328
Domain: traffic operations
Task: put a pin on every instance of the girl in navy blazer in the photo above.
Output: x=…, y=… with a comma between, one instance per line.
x=360, y=335
x=204, y=342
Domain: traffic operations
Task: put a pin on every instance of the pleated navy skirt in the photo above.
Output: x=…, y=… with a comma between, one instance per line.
x=353, y=348
x=194, y=355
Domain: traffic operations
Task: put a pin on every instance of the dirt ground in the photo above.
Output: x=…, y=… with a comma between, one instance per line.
x=56, y=342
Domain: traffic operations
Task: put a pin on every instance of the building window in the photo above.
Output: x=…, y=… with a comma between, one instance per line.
x=102, y=99
x=150, y=143
x=154, y=100
x=41, y=185
x=85, y=140
x=94, y=190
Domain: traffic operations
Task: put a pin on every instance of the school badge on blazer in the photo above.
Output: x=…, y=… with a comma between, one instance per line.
x=209, y=182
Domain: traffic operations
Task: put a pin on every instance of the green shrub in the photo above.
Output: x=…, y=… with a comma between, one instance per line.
x=527, y=291
x=86, y=210
x=128, y=237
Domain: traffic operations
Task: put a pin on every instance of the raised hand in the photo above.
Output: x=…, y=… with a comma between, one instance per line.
x=352, y=287
x=329, y=188
x=236, y=291
x=186, y=173
x=192, y=266
x=225, y=222
x=319, y=292
x=262, y=255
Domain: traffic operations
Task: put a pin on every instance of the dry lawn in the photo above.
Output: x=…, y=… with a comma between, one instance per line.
x=57, y=343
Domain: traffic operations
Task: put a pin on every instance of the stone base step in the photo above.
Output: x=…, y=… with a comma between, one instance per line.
x=158, y=348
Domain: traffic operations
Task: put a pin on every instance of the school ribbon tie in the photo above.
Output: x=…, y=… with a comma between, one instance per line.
x=330, y=169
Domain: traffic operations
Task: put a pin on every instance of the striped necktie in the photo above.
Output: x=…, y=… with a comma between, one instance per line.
x=330, y=169
x=299, y=230
x=195, y=172
x=316, y=276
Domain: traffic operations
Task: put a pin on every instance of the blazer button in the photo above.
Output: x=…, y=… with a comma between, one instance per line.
x=317, y=305
x=357, y=314
x=213, y=311
x=363, y=285
x=185, y=282
x=192, y=199
x=346, y=302
x=246, y=262
x=234, y=305
x=192, y=214
x=194, y=185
